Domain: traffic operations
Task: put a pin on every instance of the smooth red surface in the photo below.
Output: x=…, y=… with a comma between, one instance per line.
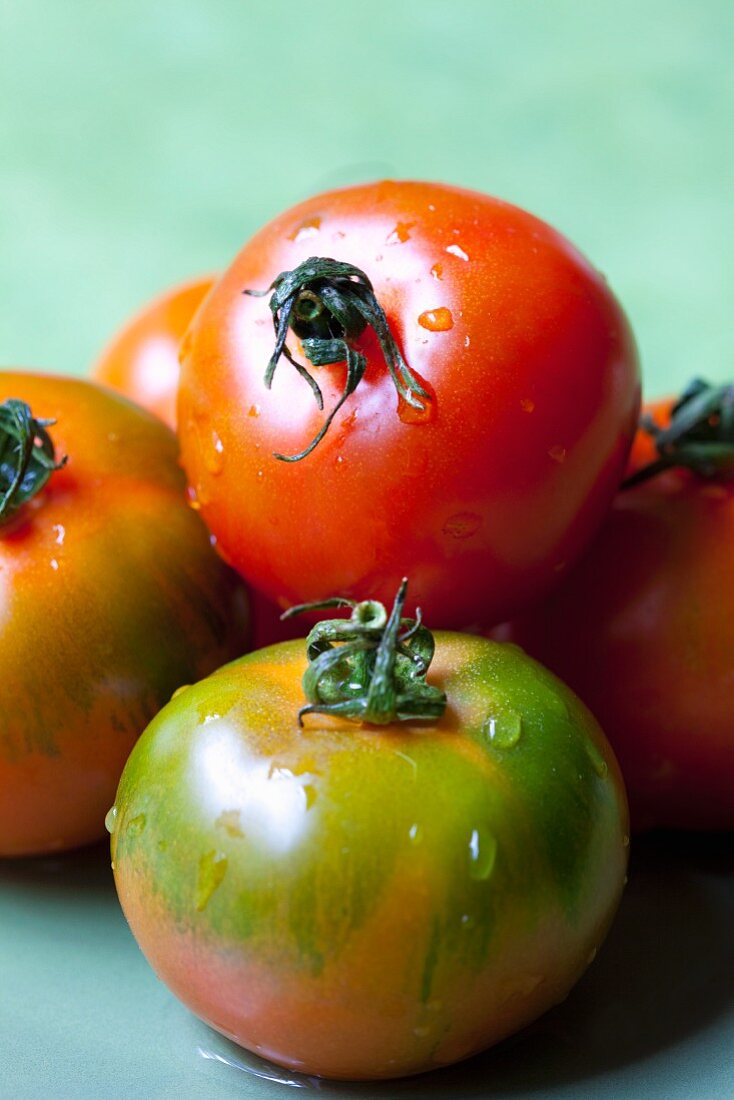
x=485, y=502
x=643, y=631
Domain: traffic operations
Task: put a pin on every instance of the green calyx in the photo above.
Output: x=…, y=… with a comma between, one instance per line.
x=700, y=436
x=371, y=667
x=27, y=456
x=327, y=305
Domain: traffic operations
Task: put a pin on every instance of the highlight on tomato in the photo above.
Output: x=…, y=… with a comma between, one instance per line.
x=407, y=374
x=141, y=360
x=358, y=867
x=110, y=598
x=643, y=629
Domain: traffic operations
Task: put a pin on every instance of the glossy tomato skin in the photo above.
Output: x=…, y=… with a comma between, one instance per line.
x=110, y=598
x=363, y=902
x=643, y=630
x=535, y=381
x=141, y=361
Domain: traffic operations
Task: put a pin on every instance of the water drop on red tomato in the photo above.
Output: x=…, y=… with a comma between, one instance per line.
x=436, y=320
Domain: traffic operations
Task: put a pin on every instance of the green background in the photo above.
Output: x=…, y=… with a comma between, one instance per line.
x=141, y=142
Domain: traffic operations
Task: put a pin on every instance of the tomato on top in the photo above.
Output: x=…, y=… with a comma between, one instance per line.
x=490, y=402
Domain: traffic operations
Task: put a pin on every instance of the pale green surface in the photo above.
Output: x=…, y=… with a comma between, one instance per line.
x=142, y=142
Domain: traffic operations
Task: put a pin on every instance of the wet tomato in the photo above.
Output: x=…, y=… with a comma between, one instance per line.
x=492, y=395
x=361, y=900
x=141, y=361
x=110, y=598
x=643, y=629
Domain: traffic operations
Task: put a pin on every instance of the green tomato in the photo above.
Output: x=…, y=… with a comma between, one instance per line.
x=364, y=902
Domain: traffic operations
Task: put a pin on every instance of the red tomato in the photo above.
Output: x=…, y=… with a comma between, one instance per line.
x=142, y=359
x=110, y=599
x=523, y=378
x=643, y=631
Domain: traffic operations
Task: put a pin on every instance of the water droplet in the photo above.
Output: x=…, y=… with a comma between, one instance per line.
x=467, y=341
x=214, y=459
x=436, y=320
x=455, y=250
x=135, y=825
x=437, y=271
x=401, y=233
x=482, y=854
x=212, y=869
x=54, y=564
x=260, y=474
x=180, y=691
x=421, y=1031
x=309, y=227
x=192, y=498
x=527, y=404
x=504, y=730
x=254, y=410
x=229, y=820
x=462, y=525
x=339, y=460
x=467, y=922
x=60, y=533
x=557, y=453
x=112, y=864
x=415, y=832
x=625, y=841
x=110, y=821
x=598, y=762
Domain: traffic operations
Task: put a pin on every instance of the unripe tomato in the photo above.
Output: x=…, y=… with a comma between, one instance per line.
x=141, y=361
x=359, y=901
x=482, y=457
x=110, y=598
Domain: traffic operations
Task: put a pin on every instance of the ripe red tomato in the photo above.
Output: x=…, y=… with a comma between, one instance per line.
x=364, y=901
x=110, y=599
x=141, y=361
x=643, y=630
x=487, y=487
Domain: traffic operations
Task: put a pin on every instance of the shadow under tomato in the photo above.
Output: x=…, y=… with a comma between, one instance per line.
x=77, y=877
x=663, y=975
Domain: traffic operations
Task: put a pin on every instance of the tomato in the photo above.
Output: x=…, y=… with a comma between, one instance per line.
x=361, y=901
x=490, y=471
x=110, y=599
x=141, y=361
x=643, y=630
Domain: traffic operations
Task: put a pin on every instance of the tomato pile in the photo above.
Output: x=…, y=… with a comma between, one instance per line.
x=381, y=848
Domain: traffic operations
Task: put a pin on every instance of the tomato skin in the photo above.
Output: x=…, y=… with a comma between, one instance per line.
x=110, y=599
x=484, y=502
x=141, y=361
x=359, y=902
x=643, y=631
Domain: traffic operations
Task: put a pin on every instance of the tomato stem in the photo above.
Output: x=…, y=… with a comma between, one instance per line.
x=27, y=456
x=371, y=667
x=328, y=304
x=699, y=437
